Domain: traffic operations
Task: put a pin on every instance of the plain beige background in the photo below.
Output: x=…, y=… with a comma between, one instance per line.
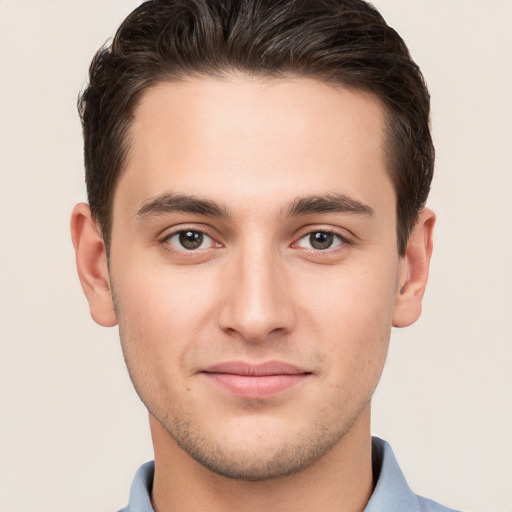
x=73, y=432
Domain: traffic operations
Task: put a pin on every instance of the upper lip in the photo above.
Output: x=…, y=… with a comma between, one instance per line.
x=256, y=369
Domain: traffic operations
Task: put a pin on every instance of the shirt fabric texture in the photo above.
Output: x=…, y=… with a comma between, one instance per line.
x=391, y=493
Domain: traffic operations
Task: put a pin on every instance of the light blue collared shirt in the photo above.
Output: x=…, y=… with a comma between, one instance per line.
x=391, y=494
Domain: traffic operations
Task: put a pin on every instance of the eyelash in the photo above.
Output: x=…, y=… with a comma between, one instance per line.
x=203, y=231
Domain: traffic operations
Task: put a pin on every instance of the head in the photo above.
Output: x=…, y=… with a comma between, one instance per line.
x=256, y=173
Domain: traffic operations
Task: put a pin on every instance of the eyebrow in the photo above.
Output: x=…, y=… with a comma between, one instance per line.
x=169, y=203
x=328, y=203
x=304, y=205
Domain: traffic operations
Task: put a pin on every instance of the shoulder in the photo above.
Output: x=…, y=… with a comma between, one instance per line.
x=426, y=505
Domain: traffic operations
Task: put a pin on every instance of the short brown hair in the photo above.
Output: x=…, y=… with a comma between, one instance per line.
x=344, y=42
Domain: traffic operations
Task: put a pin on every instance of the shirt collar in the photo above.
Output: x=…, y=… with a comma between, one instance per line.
x=140, y=490
x=391, y=491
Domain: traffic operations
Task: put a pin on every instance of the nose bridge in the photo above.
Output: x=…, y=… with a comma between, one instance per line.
x=256, y=302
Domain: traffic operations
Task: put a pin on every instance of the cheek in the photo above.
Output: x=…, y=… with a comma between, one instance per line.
x=354, y=298
x=352, y=317
x=164, y=300
x=163, y=315
x=152, y=321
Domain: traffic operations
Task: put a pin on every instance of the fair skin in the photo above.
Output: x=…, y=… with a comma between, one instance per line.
x=255, y=277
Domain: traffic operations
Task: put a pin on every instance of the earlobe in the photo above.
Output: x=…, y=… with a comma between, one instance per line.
x=414, y=273
x=91, y=262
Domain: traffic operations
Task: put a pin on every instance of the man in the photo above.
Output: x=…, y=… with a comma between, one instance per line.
x=257, y=174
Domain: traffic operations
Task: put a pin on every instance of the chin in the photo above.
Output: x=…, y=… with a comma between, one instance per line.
x=261, y=451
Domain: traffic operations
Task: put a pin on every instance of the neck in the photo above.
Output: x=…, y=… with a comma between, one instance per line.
x=339, y=481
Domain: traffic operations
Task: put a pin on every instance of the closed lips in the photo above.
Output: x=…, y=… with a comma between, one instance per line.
x=258, y=381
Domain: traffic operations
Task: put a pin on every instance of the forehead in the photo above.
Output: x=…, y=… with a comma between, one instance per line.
x=239, y=138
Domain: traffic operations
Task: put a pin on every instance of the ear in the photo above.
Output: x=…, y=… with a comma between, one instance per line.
x=91, y=262
x=414, y=271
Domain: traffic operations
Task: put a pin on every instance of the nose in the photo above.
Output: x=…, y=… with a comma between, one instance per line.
x=257, y=303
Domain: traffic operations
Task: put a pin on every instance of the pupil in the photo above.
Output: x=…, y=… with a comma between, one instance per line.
x=191, y=239
x=321, y=240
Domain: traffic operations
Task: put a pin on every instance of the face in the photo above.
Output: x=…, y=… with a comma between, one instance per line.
x=254, y=267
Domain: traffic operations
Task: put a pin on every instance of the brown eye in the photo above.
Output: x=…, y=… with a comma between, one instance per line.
x=189, y=240
x=320, y=240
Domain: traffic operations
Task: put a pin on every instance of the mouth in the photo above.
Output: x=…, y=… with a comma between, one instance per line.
x=256, y=381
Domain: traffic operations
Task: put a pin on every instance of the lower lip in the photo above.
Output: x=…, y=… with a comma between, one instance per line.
x=256, y=388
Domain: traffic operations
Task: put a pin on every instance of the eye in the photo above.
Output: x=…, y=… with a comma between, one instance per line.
x=320, y=240
x=190, y=240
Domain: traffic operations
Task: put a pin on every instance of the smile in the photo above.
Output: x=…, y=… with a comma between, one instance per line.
x=256, y=381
